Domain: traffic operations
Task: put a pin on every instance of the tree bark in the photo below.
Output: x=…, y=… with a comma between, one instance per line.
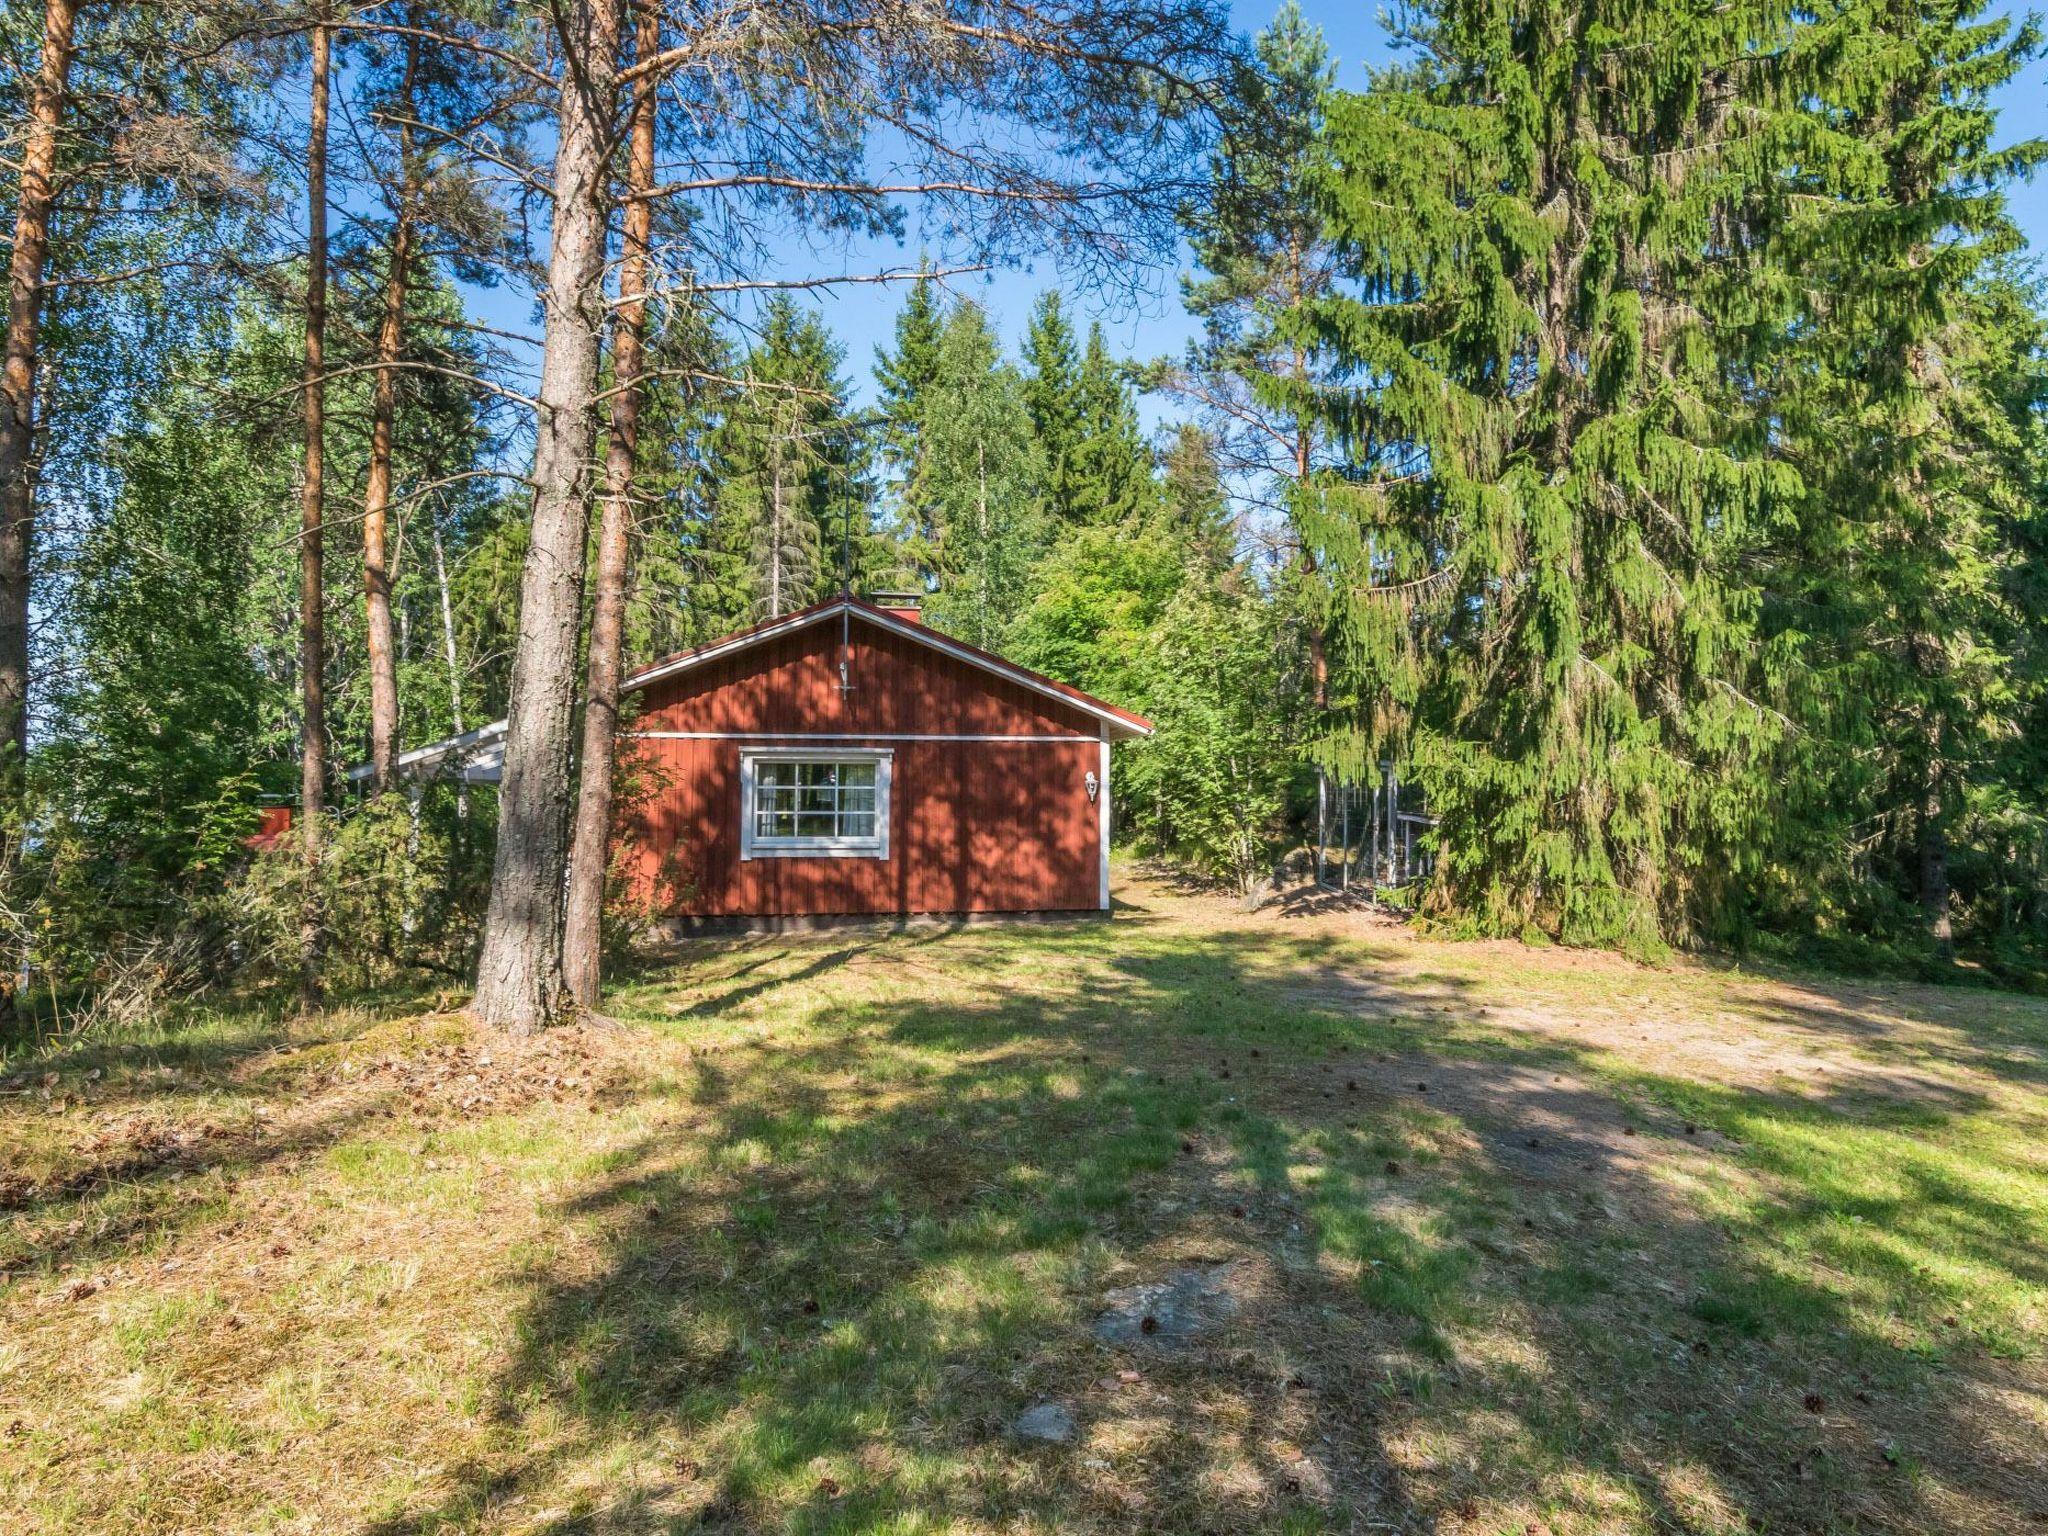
x=377, y=489
x=18, y=380
x=312, y=593
x=589, y=852
x=520, y=984
x=1934, y=886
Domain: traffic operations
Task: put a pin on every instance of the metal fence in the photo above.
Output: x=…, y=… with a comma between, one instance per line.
x=1374, y=835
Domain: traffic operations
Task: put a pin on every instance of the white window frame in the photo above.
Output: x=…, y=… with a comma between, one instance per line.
x=876, y=847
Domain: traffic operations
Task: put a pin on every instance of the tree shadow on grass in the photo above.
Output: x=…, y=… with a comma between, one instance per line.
x=830, y=1280
x=1974, y=1029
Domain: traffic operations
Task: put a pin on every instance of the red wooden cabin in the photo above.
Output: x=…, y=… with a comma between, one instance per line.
x=847, y=759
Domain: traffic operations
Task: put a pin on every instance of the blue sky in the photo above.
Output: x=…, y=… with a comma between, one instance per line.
x=1152, y=324
x=862, y=317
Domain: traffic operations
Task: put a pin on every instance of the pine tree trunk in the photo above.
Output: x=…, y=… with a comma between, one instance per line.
x=376, y=506
x=18, y=380
x=312, y=590
x=520, y=985
x=377, y=490
x=589, y=850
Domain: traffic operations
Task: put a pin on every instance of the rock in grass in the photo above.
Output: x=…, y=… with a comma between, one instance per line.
x=1048, y=1423
x=1183, y=1306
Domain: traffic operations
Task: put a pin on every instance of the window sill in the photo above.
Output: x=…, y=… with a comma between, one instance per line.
x=815, y=850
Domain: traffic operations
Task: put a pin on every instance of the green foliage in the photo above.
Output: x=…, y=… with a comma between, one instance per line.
x=1054, y=395
x=1191, y=495
x=1258, y=236
x=1110, y=475
x=1907, y=578
x=1211, y=787
x=981, y=474
x=903, y=377
x=1551, y=484
x=1153, y=613
x=403, y=887
x=786, y=477
x=682, y=398
x=1634, y=421
x=158, y=734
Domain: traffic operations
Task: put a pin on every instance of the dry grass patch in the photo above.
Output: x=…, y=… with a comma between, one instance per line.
x=1511, y=1239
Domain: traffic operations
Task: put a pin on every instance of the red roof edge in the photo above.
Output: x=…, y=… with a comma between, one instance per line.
x=911, y=629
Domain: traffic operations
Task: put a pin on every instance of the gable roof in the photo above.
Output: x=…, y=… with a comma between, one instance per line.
x=1122, y=724
x=478, y=755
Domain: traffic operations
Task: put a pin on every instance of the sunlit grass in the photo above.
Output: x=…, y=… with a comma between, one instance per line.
x=793, y=1248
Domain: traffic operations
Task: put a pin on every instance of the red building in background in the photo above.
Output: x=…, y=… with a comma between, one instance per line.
x=846, y=759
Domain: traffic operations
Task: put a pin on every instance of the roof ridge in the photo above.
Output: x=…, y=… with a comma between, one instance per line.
x=911, y=629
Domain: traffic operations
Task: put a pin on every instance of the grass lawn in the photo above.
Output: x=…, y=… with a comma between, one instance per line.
x=1491, y=1239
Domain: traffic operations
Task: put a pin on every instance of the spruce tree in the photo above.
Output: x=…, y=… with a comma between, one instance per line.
x=984, y=476
x=903, y=376
x=1550, y=477
x=786, y=475
x=689, y=362
x=1110, y=473
x=1059, y=413
x=1897, y=598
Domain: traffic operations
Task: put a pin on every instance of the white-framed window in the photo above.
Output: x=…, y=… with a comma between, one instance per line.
x=815, y=802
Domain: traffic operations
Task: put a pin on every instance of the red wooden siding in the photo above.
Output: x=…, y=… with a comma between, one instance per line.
x=975, y=825
x=900, y=685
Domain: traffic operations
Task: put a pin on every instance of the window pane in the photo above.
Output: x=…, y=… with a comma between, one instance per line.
x=821, y=799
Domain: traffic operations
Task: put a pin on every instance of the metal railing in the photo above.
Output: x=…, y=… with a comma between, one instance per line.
x=1371, y=835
